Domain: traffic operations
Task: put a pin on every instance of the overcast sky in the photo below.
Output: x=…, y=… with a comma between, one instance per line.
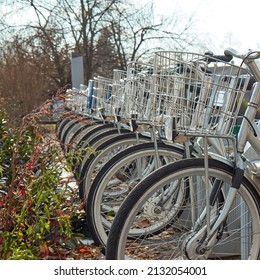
x=226, y=22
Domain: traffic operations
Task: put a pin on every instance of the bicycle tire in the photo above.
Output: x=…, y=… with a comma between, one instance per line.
x=93, y=143
x=67, y=127
x=60, y=125
x=86, y=135
x=74, y=132
x=132, y=207
x=90, y=163
x=110, y=182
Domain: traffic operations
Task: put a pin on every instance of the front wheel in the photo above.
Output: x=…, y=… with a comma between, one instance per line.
x=237, y=238
x=118, y=177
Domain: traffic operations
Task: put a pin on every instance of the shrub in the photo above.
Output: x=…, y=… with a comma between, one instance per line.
x=36, y=209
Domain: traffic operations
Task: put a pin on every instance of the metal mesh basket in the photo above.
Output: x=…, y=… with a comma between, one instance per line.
x=136, y=100
x=195, y=97
x=101, y=103
x=118, y=91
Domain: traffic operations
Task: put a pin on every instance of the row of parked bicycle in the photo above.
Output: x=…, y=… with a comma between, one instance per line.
x=160, y=169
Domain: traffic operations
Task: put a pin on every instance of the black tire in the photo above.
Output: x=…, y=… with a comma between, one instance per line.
x=66, y=128
x=61, y=125
x=101, y=137
x=122, y=140
x=133, y=203
x=85, y=136
x=74, y=132
x=125, y=161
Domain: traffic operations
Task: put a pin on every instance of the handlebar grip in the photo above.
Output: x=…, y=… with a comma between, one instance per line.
x=213, y=58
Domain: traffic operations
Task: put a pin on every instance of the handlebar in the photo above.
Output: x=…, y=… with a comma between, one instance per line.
x=249, y=60
x=227, y=57
x=251, y=55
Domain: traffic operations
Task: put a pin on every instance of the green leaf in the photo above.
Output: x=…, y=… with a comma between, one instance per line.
x=1, y=170
x=47, y=226
x=71, y=243
x=46, y=210
x=29, y=230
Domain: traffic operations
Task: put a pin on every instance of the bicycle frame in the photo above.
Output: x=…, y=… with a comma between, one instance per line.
x=250, y=133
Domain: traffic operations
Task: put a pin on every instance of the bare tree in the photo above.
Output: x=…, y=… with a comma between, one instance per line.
x=105, y=56
x=25, y=79
x=85, y=21
x=107, y=33
x=135, y=31
x=138, y=32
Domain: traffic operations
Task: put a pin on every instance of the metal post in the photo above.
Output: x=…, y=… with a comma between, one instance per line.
x=77, y=71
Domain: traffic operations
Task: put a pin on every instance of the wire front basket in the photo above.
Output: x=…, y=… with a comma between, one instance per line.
x=195, y=97
x=137, y=92
x=118, y=92
x=101, y=103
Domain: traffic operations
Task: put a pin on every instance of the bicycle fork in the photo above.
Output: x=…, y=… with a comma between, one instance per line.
x=206, y=231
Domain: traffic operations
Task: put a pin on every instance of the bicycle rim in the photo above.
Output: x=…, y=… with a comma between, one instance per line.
x=238, y=238
x=107, y=194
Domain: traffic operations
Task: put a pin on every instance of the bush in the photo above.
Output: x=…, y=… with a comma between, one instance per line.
x=36, y=209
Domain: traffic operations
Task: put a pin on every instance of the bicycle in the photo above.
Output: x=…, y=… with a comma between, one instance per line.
x=74, y=133
x=220, y=219
x=106, y=189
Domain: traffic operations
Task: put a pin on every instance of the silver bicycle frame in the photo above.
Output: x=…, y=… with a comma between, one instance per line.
x=248, y=133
